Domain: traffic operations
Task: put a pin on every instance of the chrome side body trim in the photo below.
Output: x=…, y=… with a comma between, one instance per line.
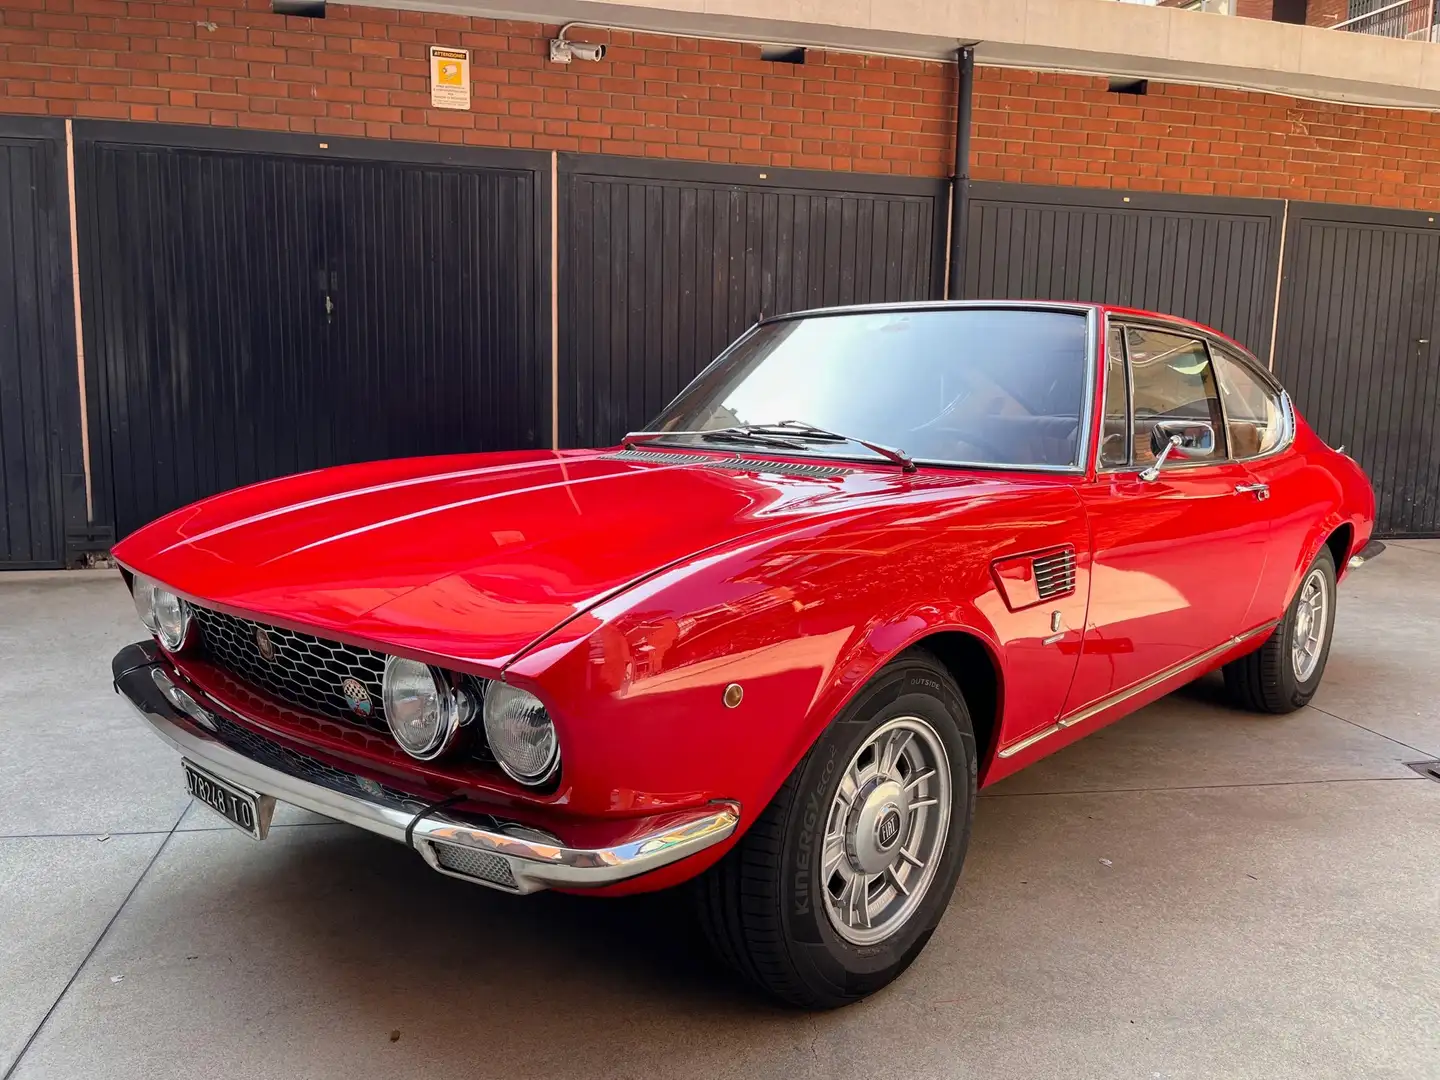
x=534, y=863
x=1090, y=711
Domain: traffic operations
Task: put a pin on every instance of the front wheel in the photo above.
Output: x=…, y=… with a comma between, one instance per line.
x=838, y=885
x=1284, y=673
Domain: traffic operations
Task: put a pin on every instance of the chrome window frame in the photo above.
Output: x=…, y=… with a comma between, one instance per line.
x=1211, y=341
x=1090, y=312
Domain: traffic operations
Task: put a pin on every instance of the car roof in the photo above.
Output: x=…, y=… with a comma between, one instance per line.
x=1077, y=307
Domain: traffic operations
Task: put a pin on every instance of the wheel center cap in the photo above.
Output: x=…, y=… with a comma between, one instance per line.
x=876, y=827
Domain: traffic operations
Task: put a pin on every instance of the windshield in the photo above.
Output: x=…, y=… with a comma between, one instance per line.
x=985, y=386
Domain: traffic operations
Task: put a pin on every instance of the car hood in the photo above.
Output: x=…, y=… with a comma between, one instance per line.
x=469, y=558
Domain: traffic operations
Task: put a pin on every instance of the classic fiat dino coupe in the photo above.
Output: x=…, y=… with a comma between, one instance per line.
x=868, y=561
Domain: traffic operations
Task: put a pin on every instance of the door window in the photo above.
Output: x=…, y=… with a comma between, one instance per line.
x=1115, y=434
x=1171, y=379
x=1254, y=410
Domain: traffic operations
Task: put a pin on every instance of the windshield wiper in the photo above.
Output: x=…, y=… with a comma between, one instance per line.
x=742, y=434
x=803, y=430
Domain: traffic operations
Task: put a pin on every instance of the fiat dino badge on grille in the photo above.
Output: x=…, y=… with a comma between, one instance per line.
x=265, y=645
x=357, y=697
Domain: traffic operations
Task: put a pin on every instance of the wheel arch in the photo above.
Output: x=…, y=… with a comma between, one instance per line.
x=1341, y=543
x=977, y=672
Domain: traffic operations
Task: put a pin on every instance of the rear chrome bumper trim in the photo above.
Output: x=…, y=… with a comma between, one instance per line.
x=1371, y=551
x=141, y=677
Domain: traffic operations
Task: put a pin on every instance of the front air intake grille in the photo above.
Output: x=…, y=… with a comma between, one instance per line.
x=476, y=865
x=745, y=464
x=301, y=670
x=1055, y=574
x=271, y=754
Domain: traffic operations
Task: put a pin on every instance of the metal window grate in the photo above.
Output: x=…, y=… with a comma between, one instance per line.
x=1055, y=574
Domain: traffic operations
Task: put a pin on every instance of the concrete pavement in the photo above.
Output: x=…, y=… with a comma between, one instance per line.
x=1193, y=892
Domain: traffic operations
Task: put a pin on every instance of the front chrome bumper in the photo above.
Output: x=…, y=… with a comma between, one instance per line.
x=522, y=862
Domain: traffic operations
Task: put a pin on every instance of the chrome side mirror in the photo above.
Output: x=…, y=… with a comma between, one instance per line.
x=1188, y=438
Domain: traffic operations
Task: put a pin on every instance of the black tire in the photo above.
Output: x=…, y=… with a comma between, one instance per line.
x=1265, y=680
x=761, y=907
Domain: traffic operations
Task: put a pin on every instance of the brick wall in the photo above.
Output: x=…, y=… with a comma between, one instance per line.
x=363, y=72
x=1069, y=129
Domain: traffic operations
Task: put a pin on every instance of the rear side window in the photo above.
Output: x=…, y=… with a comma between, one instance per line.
x=1254, y=411
x=1115, y=435
x=1171, y=378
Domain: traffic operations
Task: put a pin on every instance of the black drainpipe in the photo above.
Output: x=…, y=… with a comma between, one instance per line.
x=960, y=186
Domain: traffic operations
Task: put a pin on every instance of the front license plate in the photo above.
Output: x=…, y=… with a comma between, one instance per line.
x=248, y=811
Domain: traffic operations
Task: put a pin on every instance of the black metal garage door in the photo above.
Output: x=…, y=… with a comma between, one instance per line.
x=663, y=264
x=1357, y=346
x=259, y=306
x=1208, y=259
x=41, y=473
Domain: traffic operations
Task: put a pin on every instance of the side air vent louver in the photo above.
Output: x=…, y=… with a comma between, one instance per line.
x=1055, y=574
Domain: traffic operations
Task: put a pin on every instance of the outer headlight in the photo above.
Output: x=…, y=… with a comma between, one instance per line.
x=521, y=734
x=164, y=614
x=142, y=591
x=425, y=715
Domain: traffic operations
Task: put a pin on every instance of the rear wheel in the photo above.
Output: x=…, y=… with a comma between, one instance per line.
x=1284, y=673
x=836, y=888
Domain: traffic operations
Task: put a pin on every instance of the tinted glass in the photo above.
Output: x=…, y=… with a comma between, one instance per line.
x=1254, y=411
x=991, y=387
x=1171, y=379
x=1114, y=436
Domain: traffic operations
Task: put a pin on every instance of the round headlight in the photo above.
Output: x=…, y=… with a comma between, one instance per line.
x=142, y=591
x=424, y=713
x=521, y=734
x=172, y=619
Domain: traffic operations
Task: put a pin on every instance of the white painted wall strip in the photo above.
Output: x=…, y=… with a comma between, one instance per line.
x=554, y=301
x=79, y=322
x=1279, y=276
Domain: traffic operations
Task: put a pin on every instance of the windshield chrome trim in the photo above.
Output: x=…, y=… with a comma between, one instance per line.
x=1070, y=307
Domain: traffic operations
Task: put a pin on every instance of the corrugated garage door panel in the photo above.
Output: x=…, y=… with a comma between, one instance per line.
x=1211, y=260
x=41, y=478
x=665, y=264
x=253, y=312
x=1356, y=346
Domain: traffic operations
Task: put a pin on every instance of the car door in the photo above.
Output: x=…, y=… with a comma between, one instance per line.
x=1260, y=428
x=1176, y=552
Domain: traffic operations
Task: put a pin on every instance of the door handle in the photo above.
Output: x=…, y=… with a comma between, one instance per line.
x=1260, y=491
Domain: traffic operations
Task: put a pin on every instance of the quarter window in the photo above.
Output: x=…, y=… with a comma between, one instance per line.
x=1115, y=435
x=1171, y=378
x=1254, y=410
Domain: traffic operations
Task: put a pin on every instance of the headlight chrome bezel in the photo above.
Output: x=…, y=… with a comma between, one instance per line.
x=498, y=695
x=455, y=708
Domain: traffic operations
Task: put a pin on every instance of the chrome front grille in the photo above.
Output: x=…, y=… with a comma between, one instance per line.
x=1055, y=574
x=304, y=670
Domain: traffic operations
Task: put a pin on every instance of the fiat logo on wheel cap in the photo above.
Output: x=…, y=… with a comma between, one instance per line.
x=264, y=644
x=887, y=830
x=357, y=697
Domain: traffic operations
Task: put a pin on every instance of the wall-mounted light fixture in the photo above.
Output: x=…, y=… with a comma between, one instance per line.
x=309, y=9
x=562, y=51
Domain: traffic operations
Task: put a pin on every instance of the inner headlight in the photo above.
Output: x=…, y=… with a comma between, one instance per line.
x=521, y=734
x=423, y=712
x=164, y=614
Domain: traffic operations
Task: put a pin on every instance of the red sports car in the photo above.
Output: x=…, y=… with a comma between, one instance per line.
x=869, y=561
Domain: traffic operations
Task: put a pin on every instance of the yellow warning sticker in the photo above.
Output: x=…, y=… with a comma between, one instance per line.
x=449, y=77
